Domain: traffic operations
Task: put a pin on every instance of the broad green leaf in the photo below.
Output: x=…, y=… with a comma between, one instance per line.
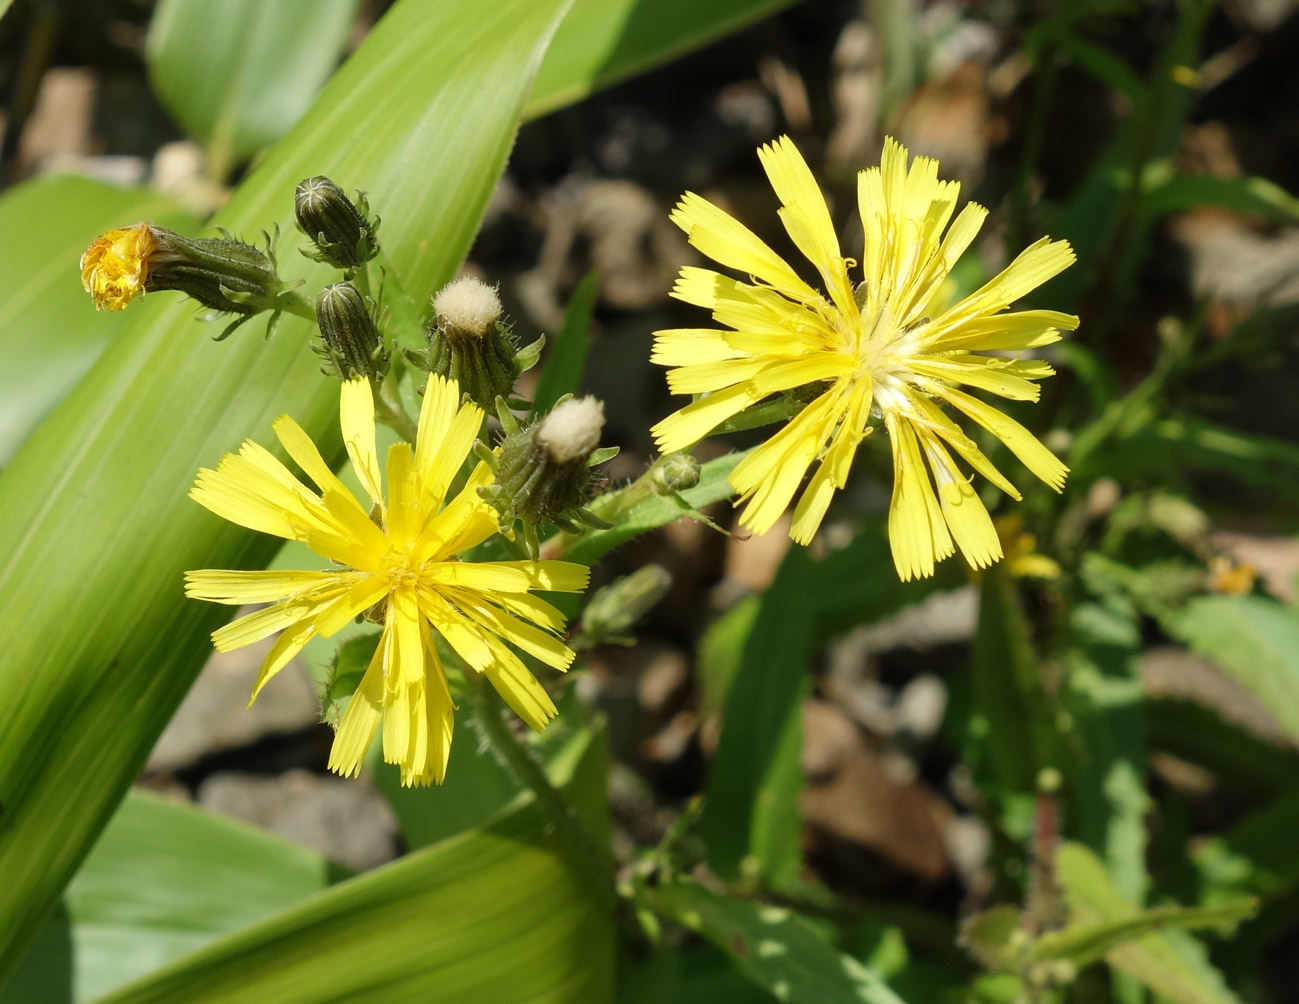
x=100, y=644
x=492, y=915
x=604, y=41
x=207, y=875
x=566, y=357
x=773, y=946
x=1253, y=638
x=51, y=336
x=645, y=515
x=238, y=74
x=1256, y=196
x=1154, y=959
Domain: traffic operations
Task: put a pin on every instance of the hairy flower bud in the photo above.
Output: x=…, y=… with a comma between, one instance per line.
x=221, y=273
x=543, y=471
x=614, y=609
x=349, y=338
x=340, y=230
x=469, y=342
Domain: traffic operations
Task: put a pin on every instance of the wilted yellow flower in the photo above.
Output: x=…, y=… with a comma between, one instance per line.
x=115, y=266
x=885, y=347
x=396, y=562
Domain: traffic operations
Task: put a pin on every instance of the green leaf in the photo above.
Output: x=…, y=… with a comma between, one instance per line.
x=492, y=915
x=650, y=514
x=1083, y=944
x=1256, y=196
x=1153, y=958
x=1107, y=778
x=567, y=358
x=751, y=821
x=1007, y=688
x=51, y=337
x=1256, y=855
x=1253, y=638
x=207, y=876
x=100, y=644
x=238, y=74
x=751, y=815
x=604, y=41
x=773, y=946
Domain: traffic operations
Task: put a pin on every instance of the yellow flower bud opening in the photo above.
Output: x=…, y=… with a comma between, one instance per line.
x=115, y=266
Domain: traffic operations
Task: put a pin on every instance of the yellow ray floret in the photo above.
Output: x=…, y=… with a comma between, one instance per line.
x=886, y=345
x=398, y=553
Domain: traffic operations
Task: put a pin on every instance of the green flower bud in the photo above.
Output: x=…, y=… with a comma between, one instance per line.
x=677, y=472
x=543, y=471
x=614, y=610
x=349, y=338
x=341, y=231
x=471, y=344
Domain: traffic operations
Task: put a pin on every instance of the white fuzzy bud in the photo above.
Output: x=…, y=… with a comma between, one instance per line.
x=572, y=430
x=467, y=306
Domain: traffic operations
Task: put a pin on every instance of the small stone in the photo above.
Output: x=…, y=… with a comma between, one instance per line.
x=348, y=821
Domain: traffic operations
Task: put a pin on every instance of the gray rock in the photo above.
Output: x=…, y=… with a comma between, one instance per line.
x=347, y=821
x=214, y=716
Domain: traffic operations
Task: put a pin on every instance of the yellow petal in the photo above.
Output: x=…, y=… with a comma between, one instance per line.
x=807, y=218
x=447, y=434
x=690, y=346
x=219, y=585
x=534, y=641
x=520, y=689
x=966, y=516
x=282, y=652
x=770, y=475
x=361, y=718
x=303, y=450
x=1031, y=453
x=918, y=534
x=724, y=239
x=361, y=597
x=356, y=417
x=832, y=473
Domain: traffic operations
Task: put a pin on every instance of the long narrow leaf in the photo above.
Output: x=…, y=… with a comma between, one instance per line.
x=493, y=915
x=603, y=41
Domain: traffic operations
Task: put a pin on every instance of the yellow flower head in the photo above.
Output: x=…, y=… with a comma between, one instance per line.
x=886, y=347
x=115, y=266
x=398, y=556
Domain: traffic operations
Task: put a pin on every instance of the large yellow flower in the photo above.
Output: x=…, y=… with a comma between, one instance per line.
x=396, y=562
x=885, y=347
x=116, y=265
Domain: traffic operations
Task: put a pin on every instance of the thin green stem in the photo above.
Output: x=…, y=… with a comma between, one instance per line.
x=591, y=859
x=390, y=411
x=296, y=303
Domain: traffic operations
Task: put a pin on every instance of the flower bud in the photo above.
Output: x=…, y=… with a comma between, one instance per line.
x=677, y=472
x=340, y=231
x=471, y=344
x=544, y=469
x=614, y=610
x=221, y=273
x=349, y=338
